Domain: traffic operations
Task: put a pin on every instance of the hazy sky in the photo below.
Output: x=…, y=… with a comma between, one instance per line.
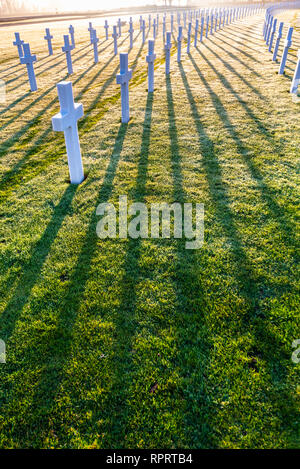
x=88, y=4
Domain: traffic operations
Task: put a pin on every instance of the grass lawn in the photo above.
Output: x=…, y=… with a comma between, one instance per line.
x=142, y=343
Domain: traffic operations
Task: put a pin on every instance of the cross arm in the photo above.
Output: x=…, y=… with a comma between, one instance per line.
x=64, y=119
x=124, y=77
x=28, y=60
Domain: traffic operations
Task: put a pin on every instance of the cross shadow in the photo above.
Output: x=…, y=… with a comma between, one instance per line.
x=230, y=44
x=9, y=68
x=196, y=415
x=97, y=74
x=233, y=70
x=26, y=169
x=236, y=58
x=135, y=39
x=134, y=63
x=38, y=66
x=16, y=137
x=260, y=126
x=251, y=35
x=286, y=225
x=87, y=122
x=32, y=270
x=267, y=345
x=20, y=66
x=15, y=102
x=59, y=346
x=13, y=177
x=117, y=405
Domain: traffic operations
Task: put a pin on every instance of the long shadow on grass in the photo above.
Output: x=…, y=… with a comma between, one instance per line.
x=232, y=70
x=117, y=406
x=30, y=168
x=35, y=160
x=51, y=67
x=102, y=106
x=260, y=126
x=235, y=57
x=193, y=338
x=8, y=143
x=267, y=346
x=41, y=64
x=56, y=355
x=51, y=88
x=244, y=39
x=230, y=44
x=32, y=269
x=12, y=178
x=283, y=222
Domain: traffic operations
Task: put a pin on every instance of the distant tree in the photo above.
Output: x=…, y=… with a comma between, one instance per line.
x=9, y=6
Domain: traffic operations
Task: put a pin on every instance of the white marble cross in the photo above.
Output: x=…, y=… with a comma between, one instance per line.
x=28, y=59
x=189, y=37
x=196, y=32
x=106, y=29
x=71, y=31
x=143, y=29
x=269, y=30
x=94, y=42
x=287, y=45
x=49, y=38
x=66, y=121
x=154, y=28
x=266, y=25
x=216, y=21
x=279, y=36
x=131, y=31
x=115, y=38
x=179, y=39
x=168, y=46
x=272, y=35
x=19, y=43
x=123, y=79
x=201, y=29
x=150, y=58
x=67, y=48
x=90, y=28
x=296, y=77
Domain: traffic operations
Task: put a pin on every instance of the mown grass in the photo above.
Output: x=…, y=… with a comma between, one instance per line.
x=141, y=343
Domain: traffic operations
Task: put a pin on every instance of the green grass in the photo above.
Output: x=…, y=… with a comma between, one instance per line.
x=141, y=343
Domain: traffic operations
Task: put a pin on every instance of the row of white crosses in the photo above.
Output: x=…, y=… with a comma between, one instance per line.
x=269, y=33
x=209, y=19
x=27, y=59
x=215, y=17
x=66, y=120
